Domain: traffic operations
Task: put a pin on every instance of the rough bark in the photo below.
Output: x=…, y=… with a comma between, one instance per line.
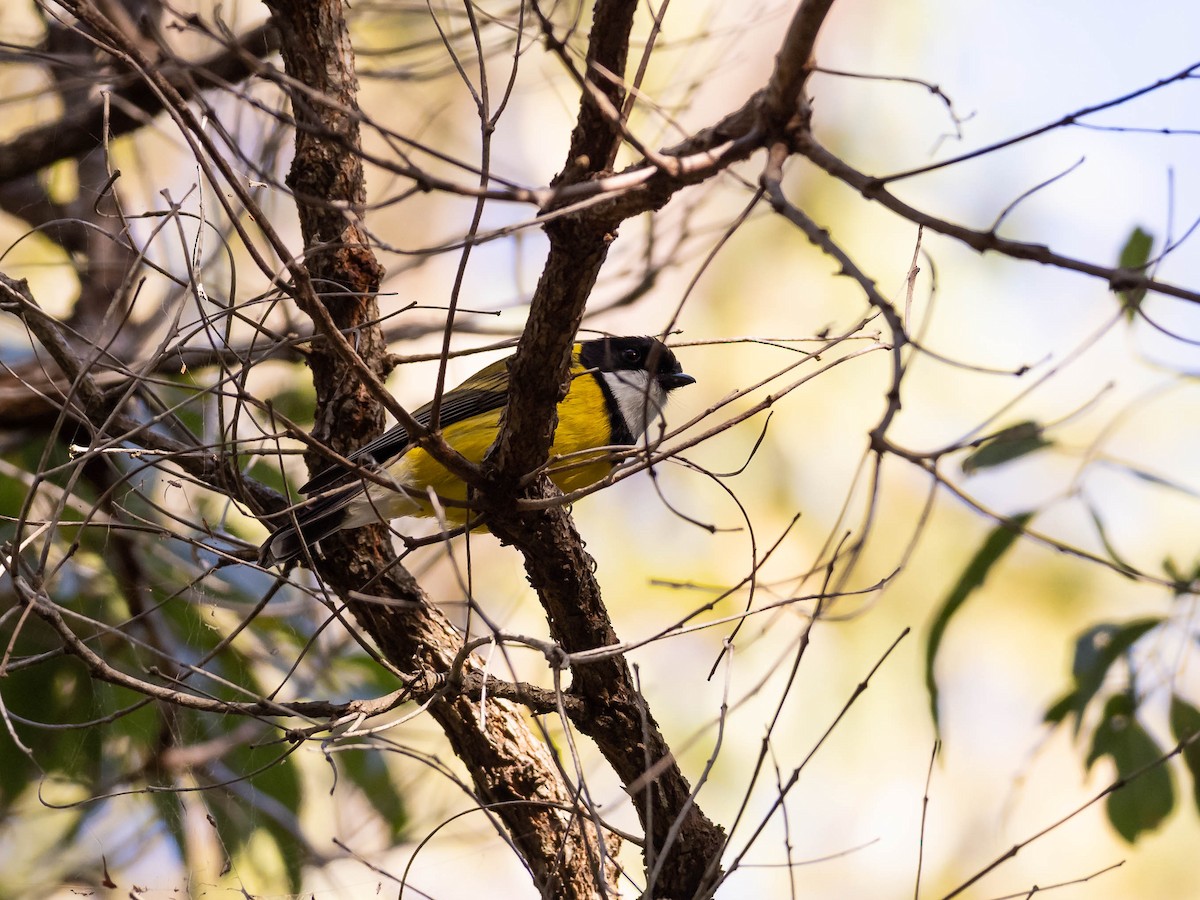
x=507, y=762
x=513, y=771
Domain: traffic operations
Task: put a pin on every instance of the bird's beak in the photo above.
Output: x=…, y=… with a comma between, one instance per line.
x=675, y=380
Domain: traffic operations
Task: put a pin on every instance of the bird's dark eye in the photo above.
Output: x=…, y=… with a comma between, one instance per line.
x=631, y=355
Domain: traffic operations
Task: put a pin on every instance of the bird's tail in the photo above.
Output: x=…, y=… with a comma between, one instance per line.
x=316, y=519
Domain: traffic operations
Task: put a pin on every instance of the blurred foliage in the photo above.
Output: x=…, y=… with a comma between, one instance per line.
x=70, y=730
x=1106, y=668
x=997, y=544
x=1006, y=445
x=1144, y=794
x=164, y=614
x=1135, y=257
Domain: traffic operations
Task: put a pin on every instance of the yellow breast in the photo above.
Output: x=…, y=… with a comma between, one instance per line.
x=582, y=425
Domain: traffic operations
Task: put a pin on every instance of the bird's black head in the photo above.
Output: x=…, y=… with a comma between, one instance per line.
x=636, y=374
x=635, y=354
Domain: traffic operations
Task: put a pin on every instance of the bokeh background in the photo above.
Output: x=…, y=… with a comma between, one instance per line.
x=1122, y=396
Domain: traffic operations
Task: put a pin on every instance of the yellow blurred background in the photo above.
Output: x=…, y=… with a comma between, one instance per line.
x=853, y=824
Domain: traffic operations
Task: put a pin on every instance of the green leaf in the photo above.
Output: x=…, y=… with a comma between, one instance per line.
x=1095, y=652
x=58, y=691
x=1060, y=708
x=229, y=817
x=973, y=576
x=370, y=773
x=296, y=402
x=1185, y=725
x=266, y=472
x=281, y=781
x=1134, y=258
x=1181, y=581
x=292, y=851
x=1118, y=560
x=188, y=621
x=1149, y=796
x=240, y=810
x=170, y=814
x=1006, y=445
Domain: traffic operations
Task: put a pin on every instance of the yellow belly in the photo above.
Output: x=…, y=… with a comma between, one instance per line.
x=580, y=428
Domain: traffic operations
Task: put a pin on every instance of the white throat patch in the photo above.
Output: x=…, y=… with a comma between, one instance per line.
x=639, y=396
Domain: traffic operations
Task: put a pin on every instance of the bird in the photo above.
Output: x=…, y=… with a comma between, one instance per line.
x=618, y=388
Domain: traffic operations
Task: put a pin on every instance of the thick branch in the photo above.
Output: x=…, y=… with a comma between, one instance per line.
x=784, y=96
x=612, y=712
x=617, y=718
x=507, y=762
x=594, y=141
x=578, y=248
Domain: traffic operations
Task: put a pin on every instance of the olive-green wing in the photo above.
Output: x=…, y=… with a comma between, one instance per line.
x=483, y=392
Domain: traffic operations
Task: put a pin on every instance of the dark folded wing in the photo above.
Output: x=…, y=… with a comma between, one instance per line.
x=485, y=391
